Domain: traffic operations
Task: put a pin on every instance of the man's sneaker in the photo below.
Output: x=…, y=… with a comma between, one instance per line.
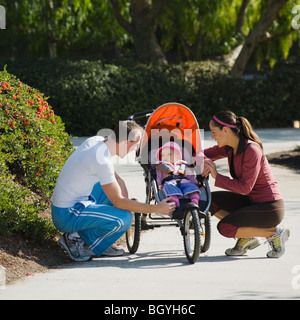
x=242, y=246
x=113, y=252
x=277, y=241
x=74, y=248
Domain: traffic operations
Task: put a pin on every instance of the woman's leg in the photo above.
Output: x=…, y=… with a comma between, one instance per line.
x=256, y=220
x=225, y=202
x=241, y=220
x=250, y=232
x=221, y=214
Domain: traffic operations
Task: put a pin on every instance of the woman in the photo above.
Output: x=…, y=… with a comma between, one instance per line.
x=253, y=207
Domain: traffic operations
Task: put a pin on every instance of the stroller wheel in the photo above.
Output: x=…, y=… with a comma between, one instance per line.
x=205, y=230
x=133, y=234
x=192, y=235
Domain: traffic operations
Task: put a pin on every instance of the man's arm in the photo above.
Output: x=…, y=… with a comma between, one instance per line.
x=114, y=194
x=122, y=186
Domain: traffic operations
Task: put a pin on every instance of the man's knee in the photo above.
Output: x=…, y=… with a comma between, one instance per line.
x=128, y=219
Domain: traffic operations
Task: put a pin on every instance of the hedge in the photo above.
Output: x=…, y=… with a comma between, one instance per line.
x=91, y=95
x=33, y=148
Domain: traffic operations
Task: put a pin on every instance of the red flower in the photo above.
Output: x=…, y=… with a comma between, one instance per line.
x=4, y=85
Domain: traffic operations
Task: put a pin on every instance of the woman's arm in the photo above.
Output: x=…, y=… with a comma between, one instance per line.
x=250, y=170
x=209, y=155
x=215, y=153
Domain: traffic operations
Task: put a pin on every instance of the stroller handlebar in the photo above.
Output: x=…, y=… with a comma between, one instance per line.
x=140, y=114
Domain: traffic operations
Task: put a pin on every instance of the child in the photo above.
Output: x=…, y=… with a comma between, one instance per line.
x=173, y=176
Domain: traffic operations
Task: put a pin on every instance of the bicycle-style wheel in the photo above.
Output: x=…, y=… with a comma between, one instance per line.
x=192, y=235
x=133, y=234
x=205, y=232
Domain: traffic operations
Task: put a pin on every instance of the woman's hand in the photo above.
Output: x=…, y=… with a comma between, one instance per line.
x=209, y=168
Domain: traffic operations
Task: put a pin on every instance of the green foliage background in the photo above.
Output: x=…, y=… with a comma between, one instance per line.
x=91, y=95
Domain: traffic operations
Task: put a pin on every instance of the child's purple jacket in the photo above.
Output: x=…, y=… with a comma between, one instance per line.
x=189, y=175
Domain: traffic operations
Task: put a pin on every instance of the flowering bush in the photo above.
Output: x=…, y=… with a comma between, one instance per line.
x=33, y=148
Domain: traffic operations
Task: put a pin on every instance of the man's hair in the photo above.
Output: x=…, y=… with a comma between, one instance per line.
x=126, y=130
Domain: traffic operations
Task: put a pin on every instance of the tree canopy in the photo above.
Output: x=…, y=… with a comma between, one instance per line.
x=151, y=31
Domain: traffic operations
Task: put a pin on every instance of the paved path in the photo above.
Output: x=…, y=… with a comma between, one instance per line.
x=159, y=270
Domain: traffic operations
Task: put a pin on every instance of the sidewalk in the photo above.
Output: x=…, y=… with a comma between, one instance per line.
x=159, y=270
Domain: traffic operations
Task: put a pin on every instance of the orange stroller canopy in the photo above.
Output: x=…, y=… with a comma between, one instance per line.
x=173, y=119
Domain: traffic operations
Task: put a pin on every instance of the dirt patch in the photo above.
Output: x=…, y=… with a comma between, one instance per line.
x=288, y=159
x=22, y=258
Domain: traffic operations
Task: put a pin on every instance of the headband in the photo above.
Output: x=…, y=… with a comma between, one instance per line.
x=223, y=123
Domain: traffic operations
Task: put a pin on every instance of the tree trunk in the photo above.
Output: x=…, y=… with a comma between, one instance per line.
x=148, y=51
x=52, y=45
x=142, y=28
x=256, y=36
x=241, y=16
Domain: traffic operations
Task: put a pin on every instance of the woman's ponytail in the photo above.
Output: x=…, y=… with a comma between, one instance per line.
x=247, y=131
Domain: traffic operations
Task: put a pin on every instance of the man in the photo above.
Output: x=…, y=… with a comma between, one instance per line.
x=90, y=201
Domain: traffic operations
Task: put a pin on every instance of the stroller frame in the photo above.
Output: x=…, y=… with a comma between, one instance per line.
x=194, y=221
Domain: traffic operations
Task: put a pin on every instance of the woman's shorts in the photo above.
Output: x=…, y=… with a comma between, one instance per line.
x=244, y=213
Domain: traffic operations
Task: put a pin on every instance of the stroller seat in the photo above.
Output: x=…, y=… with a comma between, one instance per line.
x=179, y=212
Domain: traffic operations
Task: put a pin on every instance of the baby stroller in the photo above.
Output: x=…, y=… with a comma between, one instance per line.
x=173, y=122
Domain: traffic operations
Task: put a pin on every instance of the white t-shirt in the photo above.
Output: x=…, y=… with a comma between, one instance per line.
x=89, y=164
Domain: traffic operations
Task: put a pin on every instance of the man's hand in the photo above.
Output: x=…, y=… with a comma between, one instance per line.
x=165, y=207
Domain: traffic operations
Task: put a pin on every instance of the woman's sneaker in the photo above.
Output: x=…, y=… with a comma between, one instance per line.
x=277, y=241
x=74, y=248
x=242, y=246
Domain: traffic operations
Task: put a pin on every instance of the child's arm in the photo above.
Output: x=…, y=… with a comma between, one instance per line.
x=190, y=175
x=159, y=177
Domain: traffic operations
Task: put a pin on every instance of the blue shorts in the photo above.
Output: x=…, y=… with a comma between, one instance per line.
x=99, y=224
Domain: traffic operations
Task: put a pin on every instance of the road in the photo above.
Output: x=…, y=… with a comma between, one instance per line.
x=159, y=270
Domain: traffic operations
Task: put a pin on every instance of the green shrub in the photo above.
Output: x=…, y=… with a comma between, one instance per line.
x=33, y=148
x=91, y=95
